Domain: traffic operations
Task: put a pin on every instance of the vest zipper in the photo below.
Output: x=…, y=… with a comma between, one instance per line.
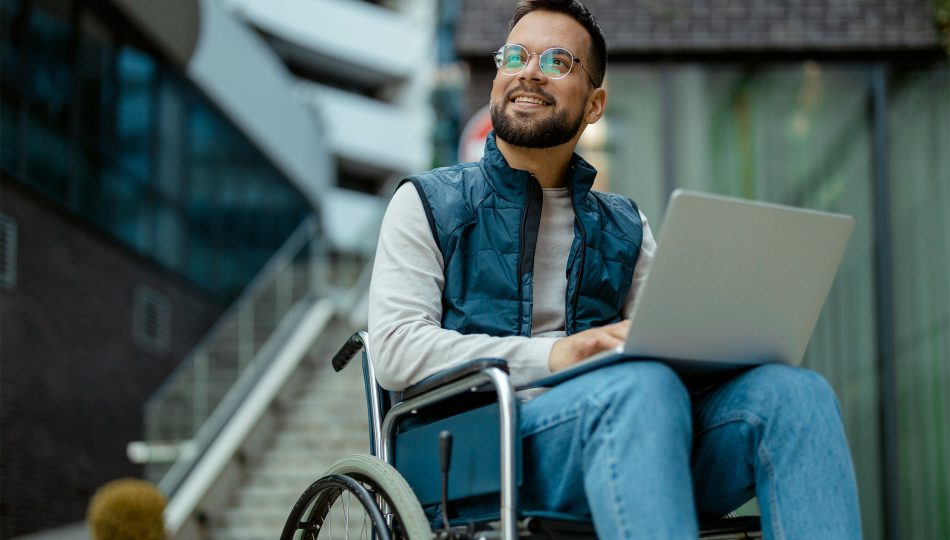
x=572, y=316
x=526, y=251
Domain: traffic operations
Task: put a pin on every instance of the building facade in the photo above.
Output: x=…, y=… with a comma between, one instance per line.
x=155, y=156
x=364, y=69
x=134, y=207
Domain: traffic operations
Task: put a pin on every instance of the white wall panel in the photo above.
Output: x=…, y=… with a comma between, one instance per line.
x=251, y=85
x=379, y=39
x=368, y=131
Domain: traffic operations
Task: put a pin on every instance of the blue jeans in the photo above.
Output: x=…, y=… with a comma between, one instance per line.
x=631, y=447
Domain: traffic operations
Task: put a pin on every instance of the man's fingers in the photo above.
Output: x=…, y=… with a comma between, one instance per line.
x=612, y=340
x=570, y=349
x=619, y=330
x=602, y=340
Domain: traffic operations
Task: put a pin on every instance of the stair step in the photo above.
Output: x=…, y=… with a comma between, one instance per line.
x=281, y=496
x=315, y=463
x=312, y=469
x=328, y=411
x=315, y=431
x=294, y=457
x=301, y=476
x=323, y=423
x=258, y=518
x=315, y=419
x=248, y=533
x=271, y=522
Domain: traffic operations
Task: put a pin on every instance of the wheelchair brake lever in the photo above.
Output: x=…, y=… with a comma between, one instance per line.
x=445, y=461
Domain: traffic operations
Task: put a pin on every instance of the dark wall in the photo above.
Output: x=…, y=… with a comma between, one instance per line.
x=72, y=377
x=647, y=26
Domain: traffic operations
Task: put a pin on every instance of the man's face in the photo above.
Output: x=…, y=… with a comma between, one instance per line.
x=530, y=110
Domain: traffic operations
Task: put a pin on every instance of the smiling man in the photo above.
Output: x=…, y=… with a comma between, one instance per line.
x=516, y=257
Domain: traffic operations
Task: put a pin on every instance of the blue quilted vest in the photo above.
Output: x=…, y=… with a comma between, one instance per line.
x=485, y=217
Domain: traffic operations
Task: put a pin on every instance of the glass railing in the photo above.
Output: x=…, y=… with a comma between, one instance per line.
x=188, y=411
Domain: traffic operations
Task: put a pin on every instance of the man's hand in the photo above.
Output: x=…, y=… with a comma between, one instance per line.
x=571, y=349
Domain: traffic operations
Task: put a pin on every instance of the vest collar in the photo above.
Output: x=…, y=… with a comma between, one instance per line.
x=512, y=184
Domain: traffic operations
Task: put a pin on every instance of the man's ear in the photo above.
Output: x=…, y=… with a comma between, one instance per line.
x=596, y=104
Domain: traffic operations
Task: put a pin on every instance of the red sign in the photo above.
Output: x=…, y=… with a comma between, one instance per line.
x=472, y=142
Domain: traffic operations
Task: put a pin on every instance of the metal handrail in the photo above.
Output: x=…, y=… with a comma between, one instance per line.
x=221, y=437
x=205, y=407
x=301, y=237
x=224, y=411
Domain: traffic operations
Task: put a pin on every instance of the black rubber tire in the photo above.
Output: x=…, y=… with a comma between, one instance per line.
x=375, y=478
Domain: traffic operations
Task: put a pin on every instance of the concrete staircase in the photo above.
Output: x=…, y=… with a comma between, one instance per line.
x=325, y=422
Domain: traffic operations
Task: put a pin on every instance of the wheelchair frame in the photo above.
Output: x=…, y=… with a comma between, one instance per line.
x=470, y=377
x=382, y=425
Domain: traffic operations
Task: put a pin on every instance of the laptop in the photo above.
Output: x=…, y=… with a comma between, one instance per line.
x=734, y=283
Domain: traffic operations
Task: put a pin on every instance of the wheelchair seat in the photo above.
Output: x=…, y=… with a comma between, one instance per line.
x=448, y=442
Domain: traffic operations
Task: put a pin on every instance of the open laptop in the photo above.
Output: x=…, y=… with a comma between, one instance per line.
x=733, y=283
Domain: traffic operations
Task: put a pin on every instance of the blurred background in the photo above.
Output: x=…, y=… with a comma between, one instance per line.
x=192, y=189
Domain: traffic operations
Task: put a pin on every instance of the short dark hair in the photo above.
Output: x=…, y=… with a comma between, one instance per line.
x=577, y=11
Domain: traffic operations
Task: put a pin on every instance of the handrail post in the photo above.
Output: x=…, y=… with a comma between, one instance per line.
x=284, y=289
x=245, y=334
x=200, y=395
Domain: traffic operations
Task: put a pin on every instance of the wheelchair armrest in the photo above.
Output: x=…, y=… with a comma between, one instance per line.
x=453, y=374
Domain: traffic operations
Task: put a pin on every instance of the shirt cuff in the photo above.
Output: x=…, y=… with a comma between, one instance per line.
x=536, y=361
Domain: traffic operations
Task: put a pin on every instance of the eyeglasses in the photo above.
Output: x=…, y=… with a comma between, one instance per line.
x=555, y=63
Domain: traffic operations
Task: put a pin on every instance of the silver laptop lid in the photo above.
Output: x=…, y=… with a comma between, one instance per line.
x=736, y=281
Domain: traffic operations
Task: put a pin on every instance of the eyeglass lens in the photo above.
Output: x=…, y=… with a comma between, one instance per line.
x=555, y=63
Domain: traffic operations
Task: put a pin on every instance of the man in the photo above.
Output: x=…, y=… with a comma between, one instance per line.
x=515, y=257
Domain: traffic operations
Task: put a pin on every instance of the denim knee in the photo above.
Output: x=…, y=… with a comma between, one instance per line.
x=791, y=392
x=643, y=390
x=652, y=380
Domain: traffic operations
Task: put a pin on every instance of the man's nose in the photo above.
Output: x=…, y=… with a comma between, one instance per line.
x=532, y=70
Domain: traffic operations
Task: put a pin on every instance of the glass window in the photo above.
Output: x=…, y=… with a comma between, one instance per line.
x=107, y=129
x=49, y=83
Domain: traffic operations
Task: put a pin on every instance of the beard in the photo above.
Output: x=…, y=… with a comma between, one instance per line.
x=520, y=129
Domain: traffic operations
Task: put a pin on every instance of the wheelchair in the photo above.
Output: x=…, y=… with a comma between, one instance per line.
x=450, y=421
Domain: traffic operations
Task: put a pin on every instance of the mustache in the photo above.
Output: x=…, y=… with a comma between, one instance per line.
x=527, y=89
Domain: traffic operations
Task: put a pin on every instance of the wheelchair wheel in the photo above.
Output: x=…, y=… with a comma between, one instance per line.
x=359, y=497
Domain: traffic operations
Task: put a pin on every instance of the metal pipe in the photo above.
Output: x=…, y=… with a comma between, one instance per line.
x=884, y=291
x=245, y=338
x=508, y=425
x=201, y=391
x=669, y=124
x=374, y=398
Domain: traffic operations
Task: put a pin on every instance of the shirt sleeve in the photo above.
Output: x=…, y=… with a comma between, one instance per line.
x=644, y=262
x=406, y=339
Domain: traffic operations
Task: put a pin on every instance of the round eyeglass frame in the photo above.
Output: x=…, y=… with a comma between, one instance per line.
x=498, y=57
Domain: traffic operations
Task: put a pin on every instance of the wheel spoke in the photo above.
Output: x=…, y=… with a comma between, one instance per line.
x=346, y=515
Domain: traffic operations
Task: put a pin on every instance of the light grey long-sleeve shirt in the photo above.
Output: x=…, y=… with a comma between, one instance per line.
x=407, y=341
